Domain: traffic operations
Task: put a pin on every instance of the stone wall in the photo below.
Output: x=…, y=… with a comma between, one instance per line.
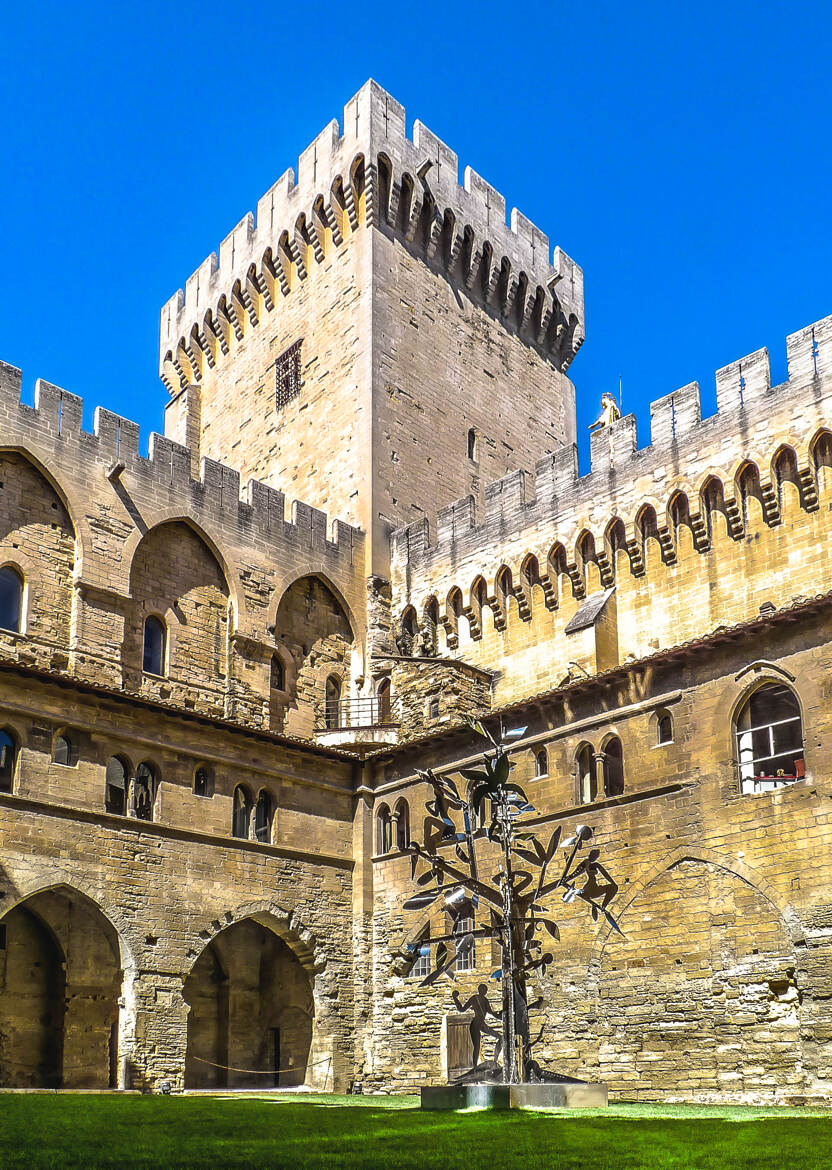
x=78, y=884
x=718, y=989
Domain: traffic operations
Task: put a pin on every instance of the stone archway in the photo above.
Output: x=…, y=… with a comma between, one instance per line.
x=699, y=997
x=250, y=1011
x=60, y=981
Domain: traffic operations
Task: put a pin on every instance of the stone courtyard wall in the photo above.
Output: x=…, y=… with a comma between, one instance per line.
x=719, y=989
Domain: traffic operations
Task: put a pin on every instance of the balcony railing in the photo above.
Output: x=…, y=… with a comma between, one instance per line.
x=370, y=711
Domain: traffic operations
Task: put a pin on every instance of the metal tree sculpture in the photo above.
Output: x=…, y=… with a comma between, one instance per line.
x=513, y=895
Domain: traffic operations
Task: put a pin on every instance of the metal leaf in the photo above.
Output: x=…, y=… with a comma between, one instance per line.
x=553, y=843
x=421, y=901
x=552, y=927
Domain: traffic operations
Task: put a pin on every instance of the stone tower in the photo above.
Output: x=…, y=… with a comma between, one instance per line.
x=377, y=340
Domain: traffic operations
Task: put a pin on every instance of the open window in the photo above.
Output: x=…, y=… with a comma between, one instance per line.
x=278, y=674
x=541, y=763
x=769, y=731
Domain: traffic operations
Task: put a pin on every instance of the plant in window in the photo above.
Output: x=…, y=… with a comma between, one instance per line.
x=769, y=732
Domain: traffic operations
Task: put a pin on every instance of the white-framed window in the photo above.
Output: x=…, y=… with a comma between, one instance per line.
x=421, y=964
x=466, y=962
x=769, y=733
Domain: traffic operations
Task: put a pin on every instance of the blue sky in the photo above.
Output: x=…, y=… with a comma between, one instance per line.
x=680, y=155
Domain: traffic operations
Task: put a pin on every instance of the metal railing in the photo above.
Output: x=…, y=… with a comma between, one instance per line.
x=368, y=711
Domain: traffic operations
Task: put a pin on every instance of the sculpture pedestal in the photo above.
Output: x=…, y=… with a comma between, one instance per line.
x=547, y=1095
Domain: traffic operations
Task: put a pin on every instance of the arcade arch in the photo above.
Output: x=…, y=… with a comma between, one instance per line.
x=250, y=1011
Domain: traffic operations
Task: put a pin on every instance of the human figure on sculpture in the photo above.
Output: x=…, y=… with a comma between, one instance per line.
x=479, y=1026
x=609, y=413
x=593, y=889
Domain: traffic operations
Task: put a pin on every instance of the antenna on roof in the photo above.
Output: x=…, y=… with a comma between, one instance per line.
x=620, y=393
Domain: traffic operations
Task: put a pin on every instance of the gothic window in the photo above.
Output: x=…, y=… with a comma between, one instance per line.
x=384, y=830
x=263, y=818
x=115, y=793
x=585, y=768
x=402, y=825
x=8, y=759
x=11, y=599
x=664, y=728
x=287, y=376
x=202, y=781
x=332, y=704
x=241, y=814
x=62, y=750
x=472, y=445
x=144, y=791
x=155, y=636
x=541, y=763
x=769, y=733
x=613, y=767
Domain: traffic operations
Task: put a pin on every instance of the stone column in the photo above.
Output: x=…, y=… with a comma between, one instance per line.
x=160, y=1033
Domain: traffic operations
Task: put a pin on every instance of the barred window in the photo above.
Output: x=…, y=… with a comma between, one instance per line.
x=421, y=963
x=287, y=375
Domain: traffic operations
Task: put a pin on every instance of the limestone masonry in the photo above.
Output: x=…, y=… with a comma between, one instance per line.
x=221, y=665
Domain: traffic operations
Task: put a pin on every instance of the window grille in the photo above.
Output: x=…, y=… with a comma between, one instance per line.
x=287, y=376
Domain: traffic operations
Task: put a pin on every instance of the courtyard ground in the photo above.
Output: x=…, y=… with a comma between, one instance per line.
x=307, y=1133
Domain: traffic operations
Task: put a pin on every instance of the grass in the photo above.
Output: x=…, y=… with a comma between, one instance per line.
x=385, y=1133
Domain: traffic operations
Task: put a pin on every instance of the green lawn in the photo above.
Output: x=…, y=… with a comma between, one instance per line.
x=50, y=1130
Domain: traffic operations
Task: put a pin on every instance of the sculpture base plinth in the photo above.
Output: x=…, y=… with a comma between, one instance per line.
x=570, y=1095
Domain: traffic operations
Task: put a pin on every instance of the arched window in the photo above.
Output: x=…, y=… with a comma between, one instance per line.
x=664, y=728
x=383, y=700
x=115, y=793
x=784, y=468
x=155, y=636
x=585, y=768
x=613, y=767
x=144, y=791
x=8, y=759
x=748, y=485
x=11, y=599
x=402, y=825
x=202, y=780
x=332, y=702
x=770, y=739
x=278, y=674
x=541, y=762
x=432, y=625
x=409, y=631
x=472, y=444
x=263, y=817
x=615, y=539
x=241, y=815
x=712, y=501
x=384, y=830
x=63, y=749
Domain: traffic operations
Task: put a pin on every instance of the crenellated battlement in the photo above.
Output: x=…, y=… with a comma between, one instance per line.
x=256, y=509
x=753, y=422
x=368, y=168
